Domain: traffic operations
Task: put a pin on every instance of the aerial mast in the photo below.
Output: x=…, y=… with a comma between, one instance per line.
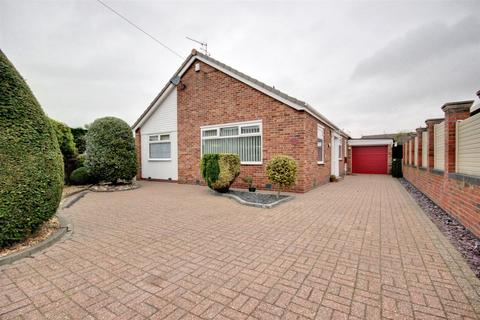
x=203, y=46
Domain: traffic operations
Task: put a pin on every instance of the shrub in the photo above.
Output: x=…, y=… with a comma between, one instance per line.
x=397, y=168
x=79, y=138
x=81, y=160
x=80, y=176
x=31, y=168
x=110, y=150
x=248, y=180
x=282, y=171
x=67, y=146
x=220, y=170
x=64, y=138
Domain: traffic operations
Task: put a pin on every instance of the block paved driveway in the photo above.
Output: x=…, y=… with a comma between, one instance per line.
x=356, y=249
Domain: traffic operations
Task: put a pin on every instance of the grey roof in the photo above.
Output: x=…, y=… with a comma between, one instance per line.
x=271, y=89
x=380, y=136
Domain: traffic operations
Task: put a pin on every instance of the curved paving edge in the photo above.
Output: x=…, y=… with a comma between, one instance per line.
x=65, y=226
x=258, y=205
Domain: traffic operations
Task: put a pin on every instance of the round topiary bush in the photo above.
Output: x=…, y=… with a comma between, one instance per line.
x=80, y=176
x=220, y=170
x=282, y=171
x=31, y=166
x=110, y=150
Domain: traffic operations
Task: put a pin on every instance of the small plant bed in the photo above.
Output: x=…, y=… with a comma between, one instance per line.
x=114, y=187
x=257, y=199
x=45, y=231
x=464, y=240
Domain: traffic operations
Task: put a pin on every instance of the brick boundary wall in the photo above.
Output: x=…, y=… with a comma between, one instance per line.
x=457, y=194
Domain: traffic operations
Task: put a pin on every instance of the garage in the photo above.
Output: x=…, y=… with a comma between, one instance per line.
x=371, y=156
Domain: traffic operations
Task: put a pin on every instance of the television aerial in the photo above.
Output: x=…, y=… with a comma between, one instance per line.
x=203, y=46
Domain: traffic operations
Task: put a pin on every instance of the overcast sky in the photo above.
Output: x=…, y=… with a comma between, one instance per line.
x=369, y=66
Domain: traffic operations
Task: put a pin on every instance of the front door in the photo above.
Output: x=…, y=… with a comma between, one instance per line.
x=335, y=155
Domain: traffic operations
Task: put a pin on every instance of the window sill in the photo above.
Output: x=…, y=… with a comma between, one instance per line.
x=251, y=163
x=159, y=160
x=321, y=162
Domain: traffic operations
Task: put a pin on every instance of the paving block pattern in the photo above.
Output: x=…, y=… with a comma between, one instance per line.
x=357, y=249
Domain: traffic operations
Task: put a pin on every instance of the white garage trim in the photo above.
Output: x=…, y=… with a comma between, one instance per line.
x=370, y=142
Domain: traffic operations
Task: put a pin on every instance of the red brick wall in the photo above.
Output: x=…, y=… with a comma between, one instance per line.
x=457, y=194
x=210, y=97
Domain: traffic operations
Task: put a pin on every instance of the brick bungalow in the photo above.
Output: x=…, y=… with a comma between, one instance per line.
x=210, y=107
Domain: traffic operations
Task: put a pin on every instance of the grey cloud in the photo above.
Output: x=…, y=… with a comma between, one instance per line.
x=407, y=58
x=430, y=42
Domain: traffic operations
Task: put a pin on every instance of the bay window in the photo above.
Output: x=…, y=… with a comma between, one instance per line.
x=244, y=139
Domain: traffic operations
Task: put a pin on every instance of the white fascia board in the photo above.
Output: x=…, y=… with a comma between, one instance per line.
x=370, y=142
x=156, y=102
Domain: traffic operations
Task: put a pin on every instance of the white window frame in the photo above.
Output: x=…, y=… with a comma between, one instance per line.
x=340, y=149
x=240, y=134
x=320, y=128
x=158, y=142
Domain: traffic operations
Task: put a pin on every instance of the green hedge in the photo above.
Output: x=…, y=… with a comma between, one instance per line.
x=31, y=166
x=110, y=150
x=64, y=138
x=80, y=176
x=79, y=138
x=282, y=171
x=220, y=170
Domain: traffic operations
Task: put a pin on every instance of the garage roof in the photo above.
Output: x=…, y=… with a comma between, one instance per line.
x=370, y=142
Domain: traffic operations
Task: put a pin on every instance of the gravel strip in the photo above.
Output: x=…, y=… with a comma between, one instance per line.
x=464, y=240
x=256, y=197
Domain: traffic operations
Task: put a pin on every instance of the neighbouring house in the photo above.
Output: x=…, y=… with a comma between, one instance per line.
x=209, y=107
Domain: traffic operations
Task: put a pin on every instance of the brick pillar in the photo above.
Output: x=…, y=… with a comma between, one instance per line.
x=454, y=111
x=138, y=151
x=430, y=123
x=420, y=151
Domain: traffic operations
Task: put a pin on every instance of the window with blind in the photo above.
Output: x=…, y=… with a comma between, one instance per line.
x=244, y=139
x=159, y=147
x=320, y=144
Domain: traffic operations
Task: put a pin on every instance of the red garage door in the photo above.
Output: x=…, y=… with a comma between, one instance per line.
x=369, y=159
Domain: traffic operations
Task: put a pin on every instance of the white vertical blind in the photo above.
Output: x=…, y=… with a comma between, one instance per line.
x=159, y=147
x=242, y=139
x=320, y=140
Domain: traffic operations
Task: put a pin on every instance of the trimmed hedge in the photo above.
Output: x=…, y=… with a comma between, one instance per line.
x=282, y=171
x=220, y=170
x=80, y=176
x=31, y=166
x=79, y=138
x=110, y=150
x=64, y=138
